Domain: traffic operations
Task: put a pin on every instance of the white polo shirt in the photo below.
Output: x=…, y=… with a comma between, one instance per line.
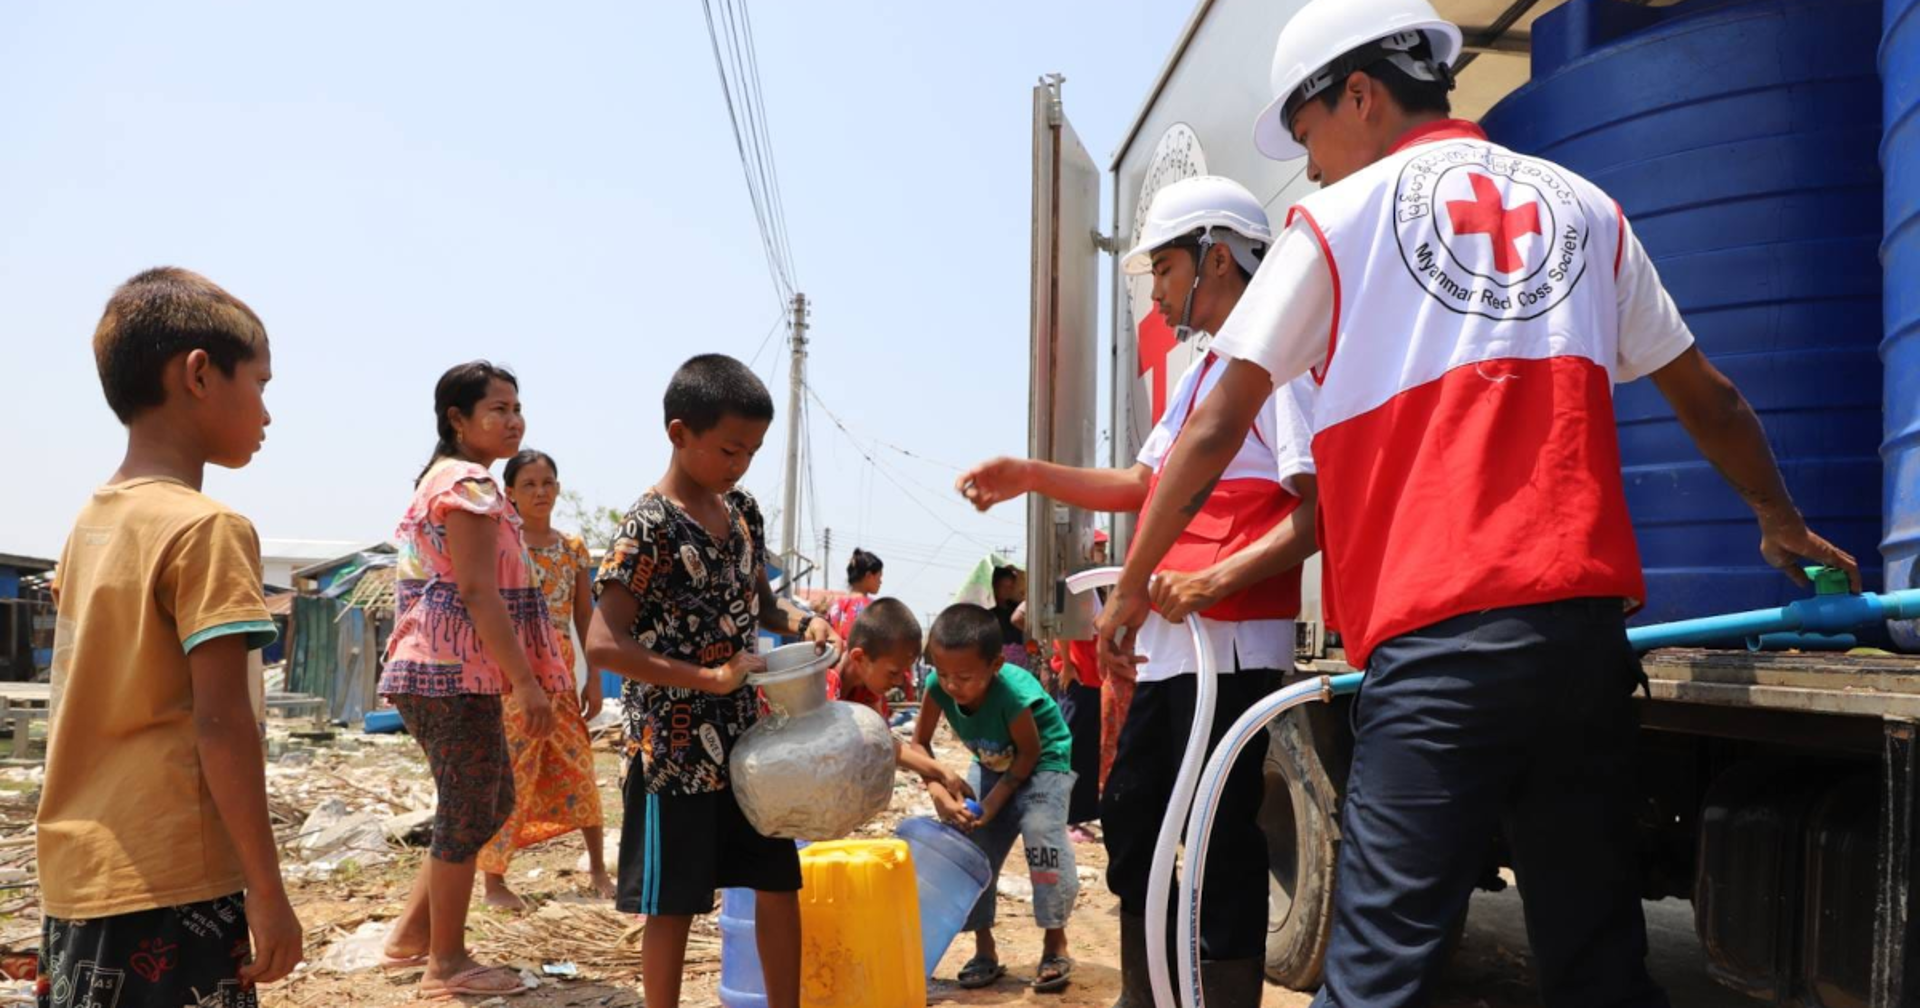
x=1277, y=448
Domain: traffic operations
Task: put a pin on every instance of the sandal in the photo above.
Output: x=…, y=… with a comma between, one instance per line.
x=980, y=972
x=1061, y=975
x=475, y=983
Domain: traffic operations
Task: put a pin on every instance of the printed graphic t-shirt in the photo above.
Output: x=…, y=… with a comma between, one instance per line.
x=152, y=570
x=988, y=731
x=698, y=603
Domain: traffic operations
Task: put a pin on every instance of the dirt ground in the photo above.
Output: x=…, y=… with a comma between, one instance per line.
x=353, y=903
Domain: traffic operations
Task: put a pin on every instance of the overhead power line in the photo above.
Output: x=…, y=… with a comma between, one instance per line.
x=739, y=68
x=884, y=474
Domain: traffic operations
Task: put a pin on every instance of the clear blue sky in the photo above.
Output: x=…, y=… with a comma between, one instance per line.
x=399, y=187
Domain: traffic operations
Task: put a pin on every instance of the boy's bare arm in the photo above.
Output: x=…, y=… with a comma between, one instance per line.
x=616, y=651
x=912, y=756
x=924, y=726
x=781, y=616
x=228, y=742
x=1026, y=756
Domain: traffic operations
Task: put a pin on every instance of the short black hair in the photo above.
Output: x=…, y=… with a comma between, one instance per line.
x=886, y=627
x=711, y=387
x=159, y=315
x=525, y=458
x=1191, y=243
x=1411, y=94
x=965, y=626
x=861, y=564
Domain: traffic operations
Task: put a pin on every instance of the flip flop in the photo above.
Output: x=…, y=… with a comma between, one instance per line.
x=1062, y=974
x=471, y=983
x=396, y=964
x=980, y=972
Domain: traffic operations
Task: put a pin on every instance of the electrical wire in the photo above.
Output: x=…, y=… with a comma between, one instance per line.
x=887, y=472
x=784, y=316
x=739, y=87
x=861, y=449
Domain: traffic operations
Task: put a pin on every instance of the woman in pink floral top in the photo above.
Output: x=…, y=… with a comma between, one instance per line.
x=470, y=624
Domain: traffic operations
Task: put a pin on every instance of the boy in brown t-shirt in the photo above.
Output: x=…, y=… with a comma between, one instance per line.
x=158, y=874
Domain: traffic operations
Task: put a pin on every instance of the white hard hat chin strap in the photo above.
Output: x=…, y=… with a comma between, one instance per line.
x=1184, y=331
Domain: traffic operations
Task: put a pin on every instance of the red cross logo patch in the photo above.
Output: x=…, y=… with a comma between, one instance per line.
x=1490, y=233
x=1487, y=214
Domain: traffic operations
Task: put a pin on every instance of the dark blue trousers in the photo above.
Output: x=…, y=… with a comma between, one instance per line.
x=1080, y=705
x=1518, y=719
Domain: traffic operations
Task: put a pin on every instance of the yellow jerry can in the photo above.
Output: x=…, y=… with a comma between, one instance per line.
x=860, y=926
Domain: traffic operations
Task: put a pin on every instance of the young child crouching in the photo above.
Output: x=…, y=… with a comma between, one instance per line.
x=1022, y=769
x=882, y=646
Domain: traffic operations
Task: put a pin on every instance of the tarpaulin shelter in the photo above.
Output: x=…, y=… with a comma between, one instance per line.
x=342, y=618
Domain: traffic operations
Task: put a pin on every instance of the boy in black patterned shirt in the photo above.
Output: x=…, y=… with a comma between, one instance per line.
x=681, y=591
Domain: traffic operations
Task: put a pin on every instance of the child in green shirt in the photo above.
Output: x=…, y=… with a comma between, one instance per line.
x=1022, y=766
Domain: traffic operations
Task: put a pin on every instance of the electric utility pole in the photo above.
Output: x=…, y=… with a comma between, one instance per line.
x=796, y=386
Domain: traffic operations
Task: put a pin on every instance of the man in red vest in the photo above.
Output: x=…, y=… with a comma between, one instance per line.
x=1465, y=312
x=1239, y=567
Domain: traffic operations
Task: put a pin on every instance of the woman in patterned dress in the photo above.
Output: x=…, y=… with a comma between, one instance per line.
x=470, y=627
x=555, y=787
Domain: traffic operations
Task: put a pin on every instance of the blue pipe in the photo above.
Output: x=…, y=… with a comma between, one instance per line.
x=1826, y=614
x=1803, y=642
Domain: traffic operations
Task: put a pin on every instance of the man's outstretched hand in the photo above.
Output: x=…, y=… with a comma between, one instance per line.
x=993, y=481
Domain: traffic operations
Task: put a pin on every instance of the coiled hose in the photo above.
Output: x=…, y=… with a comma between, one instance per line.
x=1196, y=791
x=1199, y=813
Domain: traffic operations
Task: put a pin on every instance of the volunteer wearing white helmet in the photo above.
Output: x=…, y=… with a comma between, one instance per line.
x=1202, y=241
x=1466, y=311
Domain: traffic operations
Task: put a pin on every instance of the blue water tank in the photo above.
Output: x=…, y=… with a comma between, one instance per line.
x=1740, y=140
x=1900, y=257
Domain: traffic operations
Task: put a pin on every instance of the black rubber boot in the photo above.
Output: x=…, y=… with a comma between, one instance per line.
x=1136, y=990
x=1233, y=983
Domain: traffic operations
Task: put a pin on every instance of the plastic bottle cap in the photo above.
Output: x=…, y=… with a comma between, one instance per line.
x=973, y=807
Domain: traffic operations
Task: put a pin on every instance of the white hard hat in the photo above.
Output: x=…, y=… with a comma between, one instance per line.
x=1326, y=30
x=1200, y=204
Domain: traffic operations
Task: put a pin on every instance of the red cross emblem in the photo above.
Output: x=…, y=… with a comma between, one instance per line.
x=1487, y=214
x=1156, y=342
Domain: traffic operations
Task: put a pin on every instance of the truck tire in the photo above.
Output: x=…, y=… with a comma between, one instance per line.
x=1297, y=815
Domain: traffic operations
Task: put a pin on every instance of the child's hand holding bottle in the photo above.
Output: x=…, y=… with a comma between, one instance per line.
x=954, y=810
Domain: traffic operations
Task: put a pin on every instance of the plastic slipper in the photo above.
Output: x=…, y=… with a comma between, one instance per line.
x=1062, y=974
x=475, y=983
x=979, y=972
x=395, y=964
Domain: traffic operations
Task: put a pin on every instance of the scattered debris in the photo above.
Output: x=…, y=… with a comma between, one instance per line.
x=414, y=829
x=592, y=938
x=333, y=836
x=361, y=950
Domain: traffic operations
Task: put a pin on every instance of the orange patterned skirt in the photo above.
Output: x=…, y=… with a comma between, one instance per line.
x=555, y=790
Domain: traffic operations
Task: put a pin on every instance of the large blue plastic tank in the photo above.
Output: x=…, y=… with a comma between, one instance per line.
x=1740, y=139
x=1900, y=255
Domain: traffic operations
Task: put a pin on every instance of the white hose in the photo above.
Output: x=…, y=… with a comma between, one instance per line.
x=1207, y=802
x=1200, y=812
x=1160, y=876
